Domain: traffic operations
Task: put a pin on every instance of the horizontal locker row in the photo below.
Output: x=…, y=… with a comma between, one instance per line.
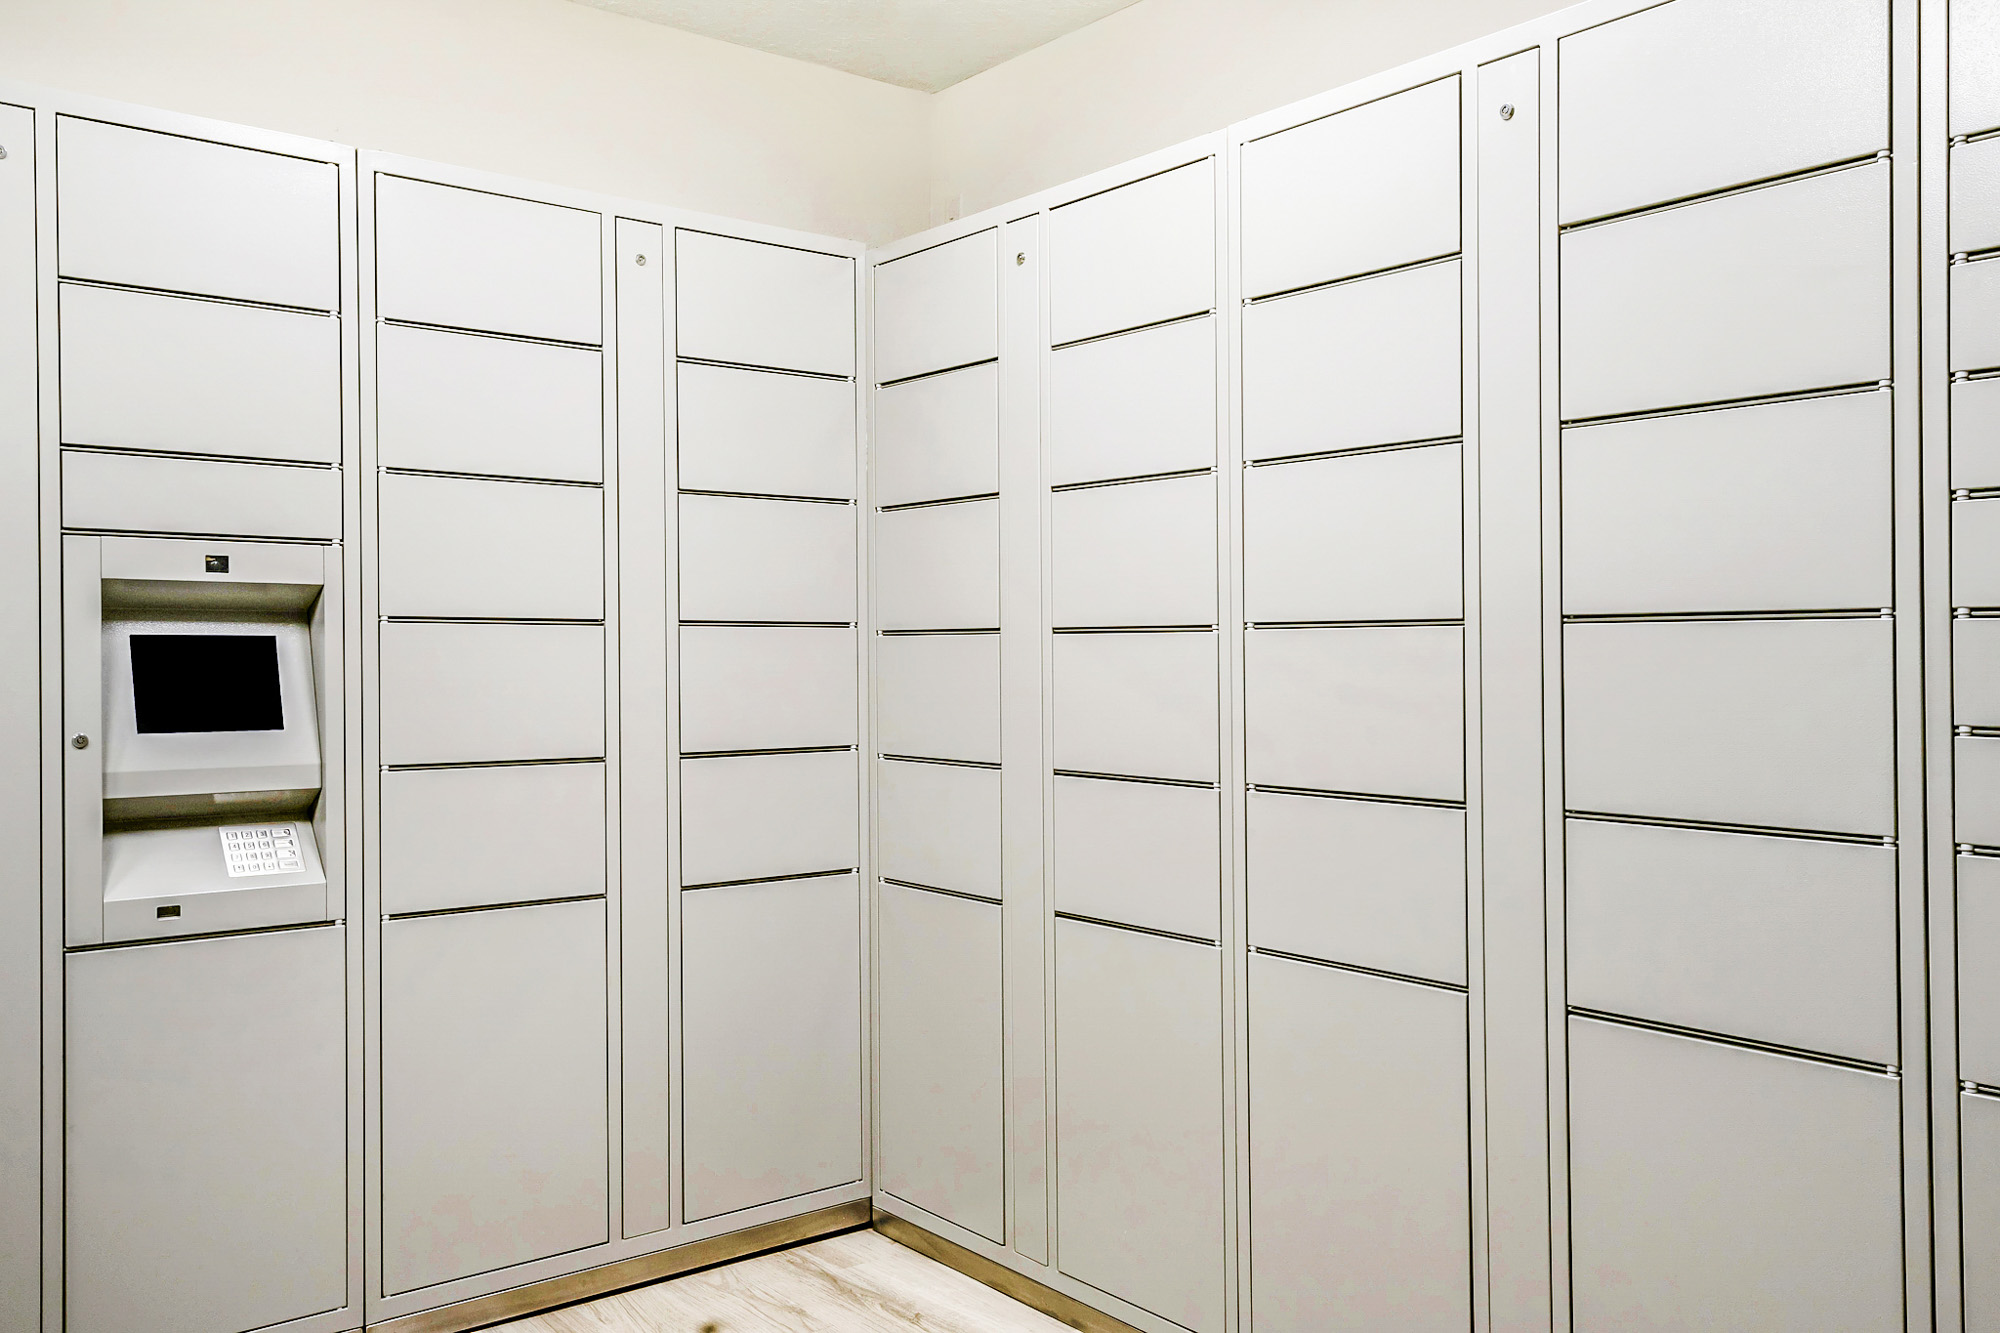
x=1975, y=553
x=180, y=214
x=1713, y=1186
x=938, y=825
x=1775, y=506
x=1365, y=189
x=761, y=815
x=1975, y=196
x=760, y=432
x=453, y=546
x=938, y=567
x=1979, y=969
x=206, y=497
x=753, y=559
x=1979, y=1158
x=1975, y=314
x=455, y=838
x=1975, y=433
x=1137, y=254
x=758, y=304
x=461, y=402
x=1360, y=1152
x=937, y=696
x=1976, y=790
x=1136, y=405
x=1144, y=854
x=483, y=693
x=938, y=438
x=766, y=687
x=1141, y=553
x=1699, y=95
x=937, y=308
x=1774, y=290
x=1779, y=723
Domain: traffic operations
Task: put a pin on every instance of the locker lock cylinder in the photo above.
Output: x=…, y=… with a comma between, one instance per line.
x=1506, y=111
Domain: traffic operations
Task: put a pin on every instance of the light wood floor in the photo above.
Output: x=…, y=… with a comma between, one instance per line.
x=861, y=1282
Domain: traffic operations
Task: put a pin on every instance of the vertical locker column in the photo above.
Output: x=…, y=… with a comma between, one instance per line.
x=937, y=769
x=1354, y=671
x=1131, y=459
x=769, y=708
x=1729, y=670
x=491, y=832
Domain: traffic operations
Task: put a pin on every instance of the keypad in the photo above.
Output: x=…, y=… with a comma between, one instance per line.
x=262, y=849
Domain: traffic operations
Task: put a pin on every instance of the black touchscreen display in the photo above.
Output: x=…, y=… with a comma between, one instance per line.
x=206, y=682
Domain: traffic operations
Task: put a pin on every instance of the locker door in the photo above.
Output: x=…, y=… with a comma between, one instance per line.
x=479, y=693
x=758, y=433
x=480, y=837
x=939, y=825
x=1979, y=1124
x=755, y=304
x=938, y=696
x=1144, y=854
x=1137, y=554
x=766, y=687
x=142, y=493
x=937, y=308
x=1139, y=705
x=1979, y=969
x=452, y=546
x=776, y=560
x=460, y=402
x=1136, y=255
x=938, y=567
x=754, y=816
x=1136, y=405
x=938, y=438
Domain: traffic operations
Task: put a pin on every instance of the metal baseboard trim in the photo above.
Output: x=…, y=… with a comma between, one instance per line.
x=536, y=1297
x=1053, y=1303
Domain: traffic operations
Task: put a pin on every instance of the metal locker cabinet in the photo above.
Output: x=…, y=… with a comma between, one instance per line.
x=143, y=371
x=471, y=260
x=938, y=438
x=1975, y=553
x=1717, y=1187
x=162, y=210
x=1136, y=405
x=1975, y=196
x=756, y=432
x=763, y=305
x=491, y=693
x=937, y=696
x=494, y=1102
x=1375, y=536
x=1358, y=191
x=1359, y=1153
x=500, y=407
x=1976, y=790
x=1784, y=723
x=1372, y=883
x=1142, y=553
x=205, y=1163
x=771, y=1052
x=938, y=307
x=1370, y=362
x=943, y=1147
x=1776, y=289
x=1134, y=255
x=1144, y=854
x=1699, y=94
x=1139, y=1139
x=752, y=559
x=481, y=837
x=138, y=493
x=1376, y=709
x=453, y=546
x=1776, y=506
x=1780, y=940
x=1975, y=434
x=938, y=567
x=753, y=816
x=1975, y=314
x=1979, y=969
x=1979, y=1128
x=1141, y=705
x=1975, y=675
x=938, y=825
x=766, y=687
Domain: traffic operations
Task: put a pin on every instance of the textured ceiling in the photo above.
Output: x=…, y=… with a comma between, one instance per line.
x=922, y=44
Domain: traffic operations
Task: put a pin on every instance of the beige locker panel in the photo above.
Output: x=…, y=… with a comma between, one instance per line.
x=766, y=560
x=1139, y=1133
x=1375, y=709
x=1979, y=1124
x=1134, y=255
x=1780, y=940
x=767, y=687
x=1975, y=65
x=462, y=402
x=937, y=696
x=1715, y=1187
x=1975, y=677
x=495, y=1117
x=137, y=493
x=1975, y=195
x=1141, y=705
x=1140, y=854
x=1700, y=94
x=758, y=432
x=1137, y=554
x=452, y=546
x=1976, y=790
x=1975, y=315
x=481, y=837
x=1361, y=190
x=1370, y=883
x=1770, y=291
x=1771, y=507
x=195, y=1073
x=938, y=307
x=1975, y=553
x=1376, y=536
x=938, y=567
x=1975, y=433
x=167, y=211
x=753, y=816
x=1979, y=969
x=491, y=693
x=1136, y=405
x=472, y=260
x=764, y=305
x=141, y=371
x=938, y=825
x=1359, y=1153
x=938, y=438
x=1785, y=723
x=1364, y=363
x=771, y=986
x=939, y=1020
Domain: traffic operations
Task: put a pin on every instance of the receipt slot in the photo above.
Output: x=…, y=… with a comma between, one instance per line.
x=202, y=723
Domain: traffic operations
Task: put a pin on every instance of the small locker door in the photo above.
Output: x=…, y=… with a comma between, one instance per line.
x=937, y=308
x=938, y=825
x=938, y=438
x=756, y=815
x=1979, y=1128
